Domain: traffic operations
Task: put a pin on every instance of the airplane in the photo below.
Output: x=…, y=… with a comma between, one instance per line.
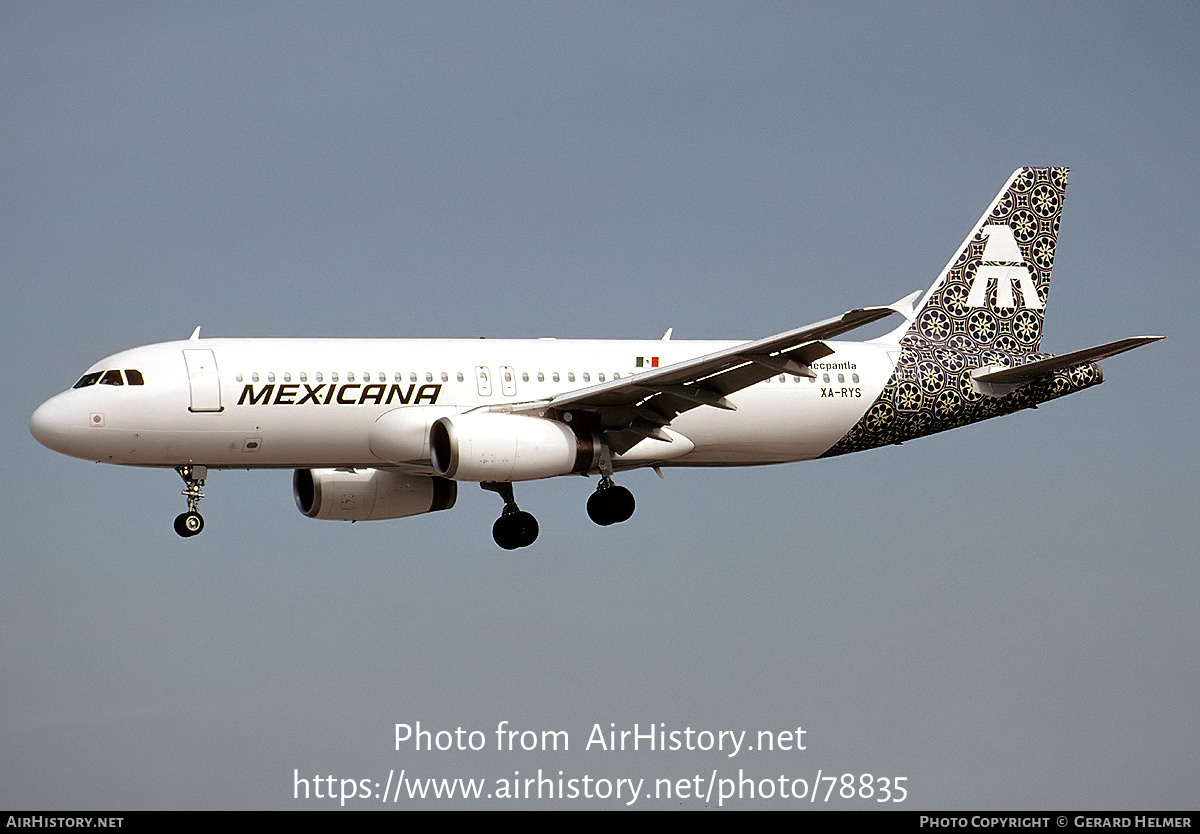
x=388, y=428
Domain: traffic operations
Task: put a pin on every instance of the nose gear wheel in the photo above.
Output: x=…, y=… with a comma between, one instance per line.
x=190, y=523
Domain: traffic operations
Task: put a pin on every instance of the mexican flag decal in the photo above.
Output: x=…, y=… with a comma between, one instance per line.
x=646, y=362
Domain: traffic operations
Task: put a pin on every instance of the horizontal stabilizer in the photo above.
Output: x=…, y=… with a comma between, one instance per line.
x=1045, y=367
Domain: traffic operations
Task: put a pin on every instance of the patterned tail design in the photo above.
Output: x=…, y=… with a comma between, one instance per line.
x=987, y=307
x=993, y=292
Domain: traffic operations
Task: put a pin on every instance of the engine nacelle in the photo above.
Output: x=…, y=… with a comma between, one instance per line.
x=369, y=494
x=497, y=446
x=402, y=434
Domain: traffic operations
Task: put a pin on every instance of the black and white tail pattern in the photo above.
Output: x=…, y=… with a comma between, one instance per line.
x=993, y=292
x=985, y=308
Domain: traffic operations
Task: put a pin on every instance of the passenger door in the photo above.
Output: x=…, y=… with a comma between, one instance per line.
x=203, y=380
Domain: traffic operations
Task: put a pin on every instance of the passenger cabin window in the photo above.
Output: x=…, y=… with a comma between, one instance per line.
x=112, y=378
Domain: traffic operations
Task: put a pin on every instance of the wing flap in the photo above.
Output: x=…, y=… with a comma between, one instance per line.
x=681, y=386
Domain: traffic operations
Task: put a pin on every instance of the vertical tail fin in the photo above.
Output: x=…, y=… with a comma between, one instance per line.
x=993, y=292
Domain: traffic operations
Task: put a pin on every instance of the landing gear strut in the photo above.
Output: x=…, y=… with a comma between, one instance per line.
x=190, y=523
x=515, y=527
x=610, y=504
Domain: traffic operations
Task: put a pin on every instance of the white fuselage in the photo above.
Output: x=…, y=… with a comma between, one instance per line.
x=288, y=403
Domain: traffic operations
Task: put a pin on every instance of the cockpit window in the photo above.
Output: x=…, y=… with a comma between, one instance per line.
x=132, y=377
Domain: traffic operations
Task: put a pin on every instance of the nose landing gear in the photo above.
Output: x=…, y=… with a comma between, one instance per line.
x=191, y=523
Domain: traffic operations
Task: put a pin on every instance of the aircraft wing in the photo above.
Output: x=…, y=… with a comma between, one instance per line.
x=635, y=407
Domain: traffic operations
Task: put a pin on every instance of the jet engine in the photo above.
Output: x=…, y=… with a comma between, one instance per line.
x=369, y=494
x=498, y=446
x=402, y=435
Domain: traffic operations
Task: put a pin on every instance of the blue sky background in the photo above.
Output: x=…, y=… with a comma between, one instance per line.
x=1004, y=614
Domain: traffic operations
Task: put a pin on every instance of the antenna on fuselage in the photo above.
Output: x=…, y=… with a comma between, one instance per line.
x=195, y=337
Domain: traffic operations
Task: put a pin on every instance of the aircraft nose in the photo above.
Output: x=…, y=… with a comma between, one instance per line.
x=50, y=424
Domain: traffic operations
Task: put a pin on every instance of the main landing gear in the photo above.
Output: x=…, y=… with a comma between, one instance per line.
x=610, y=504
x=190, y=523
x=515, y=527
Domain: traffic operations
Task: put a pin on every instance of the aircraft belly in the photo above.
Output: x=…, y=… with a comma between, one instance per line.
x=316, y=438
x=785, y=426
x=223, y=440
x=777, y=422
